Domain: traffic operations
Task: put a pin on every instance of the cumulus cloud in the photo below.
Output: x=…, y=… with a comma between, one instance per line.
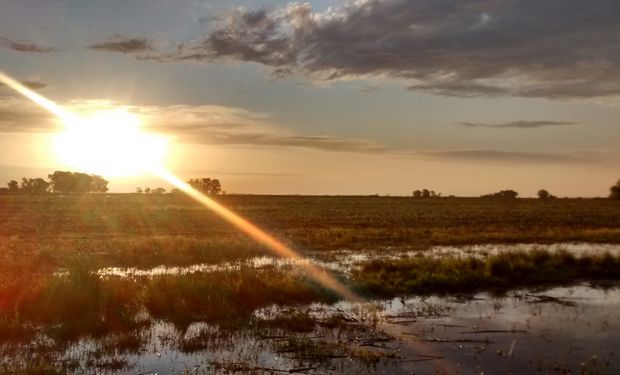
x=517, y=124
x=24, y=47
x=553, y=49
x=123, y=44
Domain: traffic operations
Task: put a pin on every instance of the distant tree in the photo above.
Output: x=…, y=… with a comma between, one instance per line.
x=98, y=184
x=159, y=190
x=175, y=191
x=544, y=194
x=34, y=186
x=615, y=191
x=77, y=183
x=426, y=193
x=13, y=186
x=139, y=190
x=417, y=194
x=207, y=186
x=147, y=190
x=504, y=194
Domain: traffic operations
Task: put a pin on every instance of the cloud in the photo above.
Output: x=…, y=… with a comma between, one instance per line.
x=552, y=49
x=20, y=116
x=203, y=124
x=33, y=85
x=219, y=125
x=123, y=44
x=521, y=157
x=518, y=124
x=24, y=47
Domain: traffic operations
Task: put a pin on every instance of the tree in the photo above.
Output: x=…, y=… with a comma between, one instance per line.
x=544, y=194
x=13, y=186
x=159, y=190
x=417, y=194
x=98, y=184
x=34, y=185
x=77, y=183
x=207, y=186
x=615, y=191
x=139, y=190
x=147, y=190
x=426, y=193
x=504, y=194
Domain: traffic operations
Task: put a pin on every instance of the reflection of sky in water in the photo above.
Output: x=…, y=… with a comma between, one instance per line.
x=563, y=329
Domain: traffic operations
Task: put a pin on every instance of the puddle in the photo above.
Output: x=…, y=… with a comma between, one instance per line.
x=566, y=330
x=344, y=261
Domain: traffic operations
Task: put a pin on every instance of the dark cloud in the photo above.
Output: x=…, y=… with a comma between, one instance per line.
x=123, y=44
x=33, y=85
x=517, y=124
x=24, y=47
x=554, y=49
x=520, y=157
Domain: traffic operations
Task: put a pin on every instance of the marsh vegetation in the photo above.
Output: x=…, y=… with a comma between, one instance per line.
x=108, y=283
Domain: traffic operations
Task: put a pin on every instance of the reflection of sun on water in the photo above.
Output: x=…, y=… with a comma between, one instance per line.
x=110, y=143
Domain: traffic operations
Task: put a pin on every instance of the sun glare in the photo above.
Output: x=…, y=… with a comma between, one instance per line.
x=110, y=143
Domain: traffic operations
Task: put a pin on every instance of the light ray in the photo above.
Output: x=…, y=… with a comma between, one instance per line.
x=278, y=248
x=42, y=101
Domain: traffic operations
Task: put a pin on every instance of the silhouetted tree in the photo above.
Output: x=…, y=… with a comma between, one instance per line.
x=159, y=190
x=139, y=190
x=504, y=194
x=147, y=190
x=208, y=186
x=13, y=186
x=417, y=194
x=77, y=183
x=544, y=194
x=615, y=191
x=34, y=186
x=98, y=184
x=426, y=193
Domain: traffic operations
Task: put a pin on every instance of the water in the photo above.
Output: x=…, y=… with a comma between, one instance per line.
x=345, y=260
x=561, y=329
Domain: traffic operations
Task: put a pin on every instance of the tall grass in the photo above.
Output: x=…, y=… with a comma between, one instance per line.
x=428, y=275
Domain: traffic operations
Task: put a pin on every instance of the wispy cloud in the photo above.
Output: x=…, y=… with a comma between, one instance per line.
x=123, y=44
x=521, y=157
x=33, y=85
x=518, y=124
x=550, y=49
x=20, y=46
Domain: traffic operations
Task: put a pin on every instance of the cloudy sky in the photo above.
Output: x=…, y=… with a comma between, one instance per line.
x=331, y=97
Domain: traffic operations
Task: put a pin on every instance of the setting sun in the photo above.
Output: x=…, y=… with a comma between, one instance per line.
x=110, y=143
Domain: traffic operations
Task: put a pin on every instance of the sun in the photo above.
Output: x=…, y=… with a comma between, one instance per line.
x=110, y=143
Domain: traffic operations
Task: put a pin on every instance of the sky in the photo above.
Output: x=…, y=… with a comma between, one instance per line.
x=330, y=97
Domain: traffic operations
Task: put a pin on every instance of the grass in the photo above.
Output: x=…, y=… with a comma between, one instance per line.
x=430, y=275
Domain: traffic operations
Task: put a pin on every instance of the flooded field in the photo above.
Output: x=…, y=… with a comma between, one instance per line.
x=153, y=284
x=560, y=330
x=572, y=329
x=344, y=261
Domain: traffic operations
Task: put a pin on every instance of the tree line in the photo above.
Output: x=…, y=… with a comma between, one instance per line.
x=62, y=182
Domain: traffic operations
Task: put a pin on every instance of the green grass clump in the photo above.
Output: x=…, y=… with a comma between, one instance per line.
x=227, y=297
x=429, y=275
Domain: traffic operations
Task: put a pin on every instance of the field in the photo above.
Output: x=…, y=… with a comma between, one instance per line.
x=90, y=283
